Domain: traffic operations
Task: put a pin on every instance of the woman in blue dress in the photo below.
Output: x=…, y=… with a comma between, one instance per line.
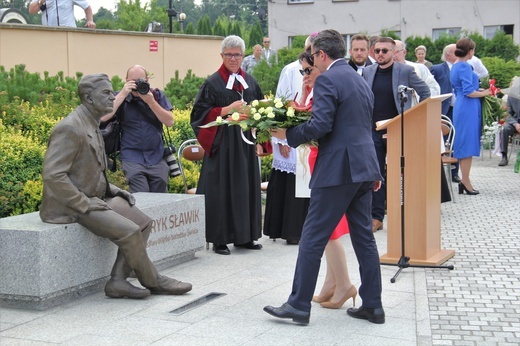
x=466, y=111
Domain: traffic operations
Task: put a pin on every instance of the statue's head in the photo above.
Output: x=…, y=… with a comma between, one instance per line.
x=96, y=93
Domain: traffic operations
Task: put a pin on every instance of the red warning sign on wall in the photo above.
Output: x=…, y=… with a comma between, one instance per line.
x=154, y=46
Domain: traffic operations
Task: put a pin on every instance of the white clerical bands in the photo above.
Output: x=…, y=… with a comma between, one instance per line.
x=239, y=78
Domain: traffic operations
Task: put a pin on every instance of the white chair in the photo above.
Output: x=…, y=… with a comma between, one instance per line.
x=515, y=145
x=448, y=131
x=192, y=151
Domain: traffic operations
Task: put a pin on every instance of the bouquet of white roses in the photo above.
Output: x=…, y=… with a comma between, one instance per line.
x=264, y=115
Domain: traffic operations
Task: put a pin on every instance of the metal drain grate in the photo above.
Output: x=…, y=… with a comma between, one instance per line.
x=197, y=302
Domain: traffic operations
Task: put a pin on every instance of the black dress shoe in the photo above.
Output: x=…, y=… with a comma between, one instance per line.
x=221, y=249
x=292, y=242
x=456, y=179
x=250, y=245
x=504, y=161
x=376, y=315
x=287, y=311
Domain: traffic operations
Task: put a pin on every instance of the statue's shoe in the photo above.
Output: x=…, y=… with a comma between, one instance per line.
x=124, y=289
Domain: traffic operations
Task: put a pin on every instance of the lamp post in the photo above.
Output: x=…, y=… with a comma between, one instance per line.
x=182, y=18
x=171, y=13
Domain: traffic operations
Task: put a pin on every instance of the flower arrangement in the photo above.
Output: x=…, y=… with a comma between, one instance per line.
x=264, y=115
x=492, y=109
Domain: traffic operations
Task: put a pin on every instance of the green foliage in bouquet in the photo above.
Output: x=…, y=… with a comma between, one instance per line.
x=492, y=109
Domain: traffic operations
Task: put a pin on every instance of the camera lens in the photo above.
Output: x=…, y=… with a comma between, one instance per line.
x=171, y=161
x=142, y=86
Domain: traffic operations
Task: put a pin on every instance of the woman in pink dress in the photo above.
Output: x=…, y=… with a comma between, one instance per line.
x=337, y=288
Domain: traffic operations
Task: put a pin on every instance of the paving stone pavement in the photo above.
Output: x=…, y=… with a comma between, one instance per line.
x=477, y=303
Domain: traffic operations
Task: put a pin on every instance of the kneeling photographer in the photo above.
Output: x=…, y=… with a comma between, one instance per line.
x=142, y=111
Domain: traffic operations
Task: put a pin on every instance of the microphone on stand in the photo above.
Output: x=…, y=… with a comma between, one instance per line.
x=404, y=89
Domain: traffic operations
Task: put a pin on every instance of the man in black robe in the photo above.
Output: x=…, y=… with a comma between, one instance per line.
x=230, y=176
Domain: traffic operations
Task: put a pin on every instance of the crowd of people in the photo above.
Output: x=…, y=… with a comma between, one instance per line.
x=347, y=169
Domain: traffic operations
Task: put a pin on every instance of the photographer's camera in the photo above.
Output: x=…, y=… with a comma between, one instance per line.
x=142, y=86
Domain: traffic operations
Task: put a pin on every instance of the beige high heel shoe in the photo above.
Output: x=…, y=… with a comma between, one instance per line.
x=325, y=297
x=351, y=293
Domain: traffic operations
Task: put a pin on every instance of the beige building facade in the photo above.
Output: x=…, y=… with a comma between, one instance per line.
x=72, y=50
x=289, y=18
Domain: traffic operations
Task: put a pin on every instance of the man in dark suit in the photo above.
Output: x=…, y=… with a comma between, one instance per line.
x=441, y=73
x=342, y=181
x=75, y=189
x=383, y=79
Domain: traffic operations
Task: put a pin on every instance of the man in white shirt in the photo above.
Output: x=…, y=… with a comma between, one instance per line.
x=420, y=69
x=61, y=13
x=478, y=67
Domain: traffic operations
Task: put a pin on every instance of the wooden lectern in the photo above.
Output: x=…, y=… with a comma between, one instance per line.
x=422, y=190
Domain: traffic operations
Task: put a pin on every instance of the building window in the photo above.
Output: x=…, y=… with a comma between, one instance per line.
x=491, y=31
x=292, y=2
x=438, y=33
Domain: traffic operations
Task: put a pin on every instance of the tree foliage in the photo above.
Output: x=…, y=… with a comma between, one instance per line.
x=256, y=35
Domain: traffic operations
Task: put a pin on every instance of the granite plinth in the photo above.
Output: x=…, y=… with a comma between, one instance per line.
x=43, y=265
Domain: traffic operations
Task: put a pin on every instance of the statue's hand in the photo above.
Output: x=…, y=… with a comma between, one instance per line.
x=126, y=195
x=97, y=204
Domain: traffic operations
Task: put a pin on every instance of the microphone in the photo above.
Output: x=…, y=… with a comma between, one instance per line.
x=404, y=89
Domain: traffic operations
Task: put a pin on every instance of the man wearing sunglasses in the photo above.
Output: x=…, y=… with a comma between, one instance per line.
x=384, y=78
x=269, y=54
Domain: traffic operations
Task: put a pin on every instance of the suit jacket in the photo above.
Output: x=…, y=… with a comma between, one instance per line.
x=513, y=110
x=341, y=122
x=73, y=169
x=441, y=72
x=269, y=54
x=402, y=74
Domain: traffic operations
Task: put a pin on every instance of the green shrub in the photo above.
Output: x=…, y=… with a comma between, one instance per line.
x=502, y=71
x=21, y=159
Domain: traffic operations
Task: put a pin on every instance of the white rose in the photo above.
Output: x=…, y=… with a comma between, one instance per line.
x=219, y=120
x=290, y=112
x=270, y=115
x=235, y=116
x=252, y=110
x=278, y=104
x=276, y=100
x=269, y=110
x=261, y=110
x=254, y=103
x=243, y=126
x=257, y=116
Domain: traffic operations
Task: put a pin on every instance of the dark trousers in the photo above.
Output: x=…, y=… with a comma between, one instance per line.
x=327, y=206
x=508, y=130
x=379, y=197
x=142, y=178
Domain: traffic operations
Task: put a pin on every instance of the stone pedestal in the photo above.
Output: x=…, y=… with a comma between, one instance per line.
x=43, y=265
